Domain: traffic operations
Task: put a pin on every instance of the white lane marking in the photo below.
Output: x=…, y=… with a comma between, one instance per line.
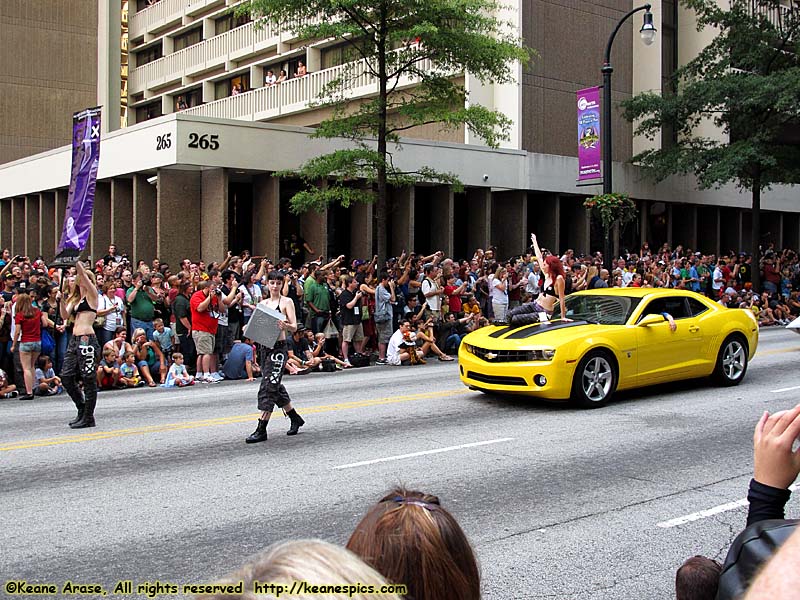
x=423, y=453
x=703, y=514
x=789, y=389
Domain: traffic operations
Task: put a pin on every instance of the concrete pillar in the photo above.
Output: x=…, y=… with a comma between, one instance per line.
x=479, y=215
x=692, y=237
x=669, y=224
x=583, y=233
x=5, y=224
x=101, y=221
x=17, y=226
x=791, y=230
x=257, y=76
x=214, y=243
x=47, y=216
x=402, y=210
x=510, y=223
x=31, y=247
x=442, y=219
x=718, y=230
x=779, y=233
x=144, y=220
x=179, y=220
x=361, y=231
x=644, y=222
x=62, y=196
x=266, y=216
x=547, y=225
x=122, y=215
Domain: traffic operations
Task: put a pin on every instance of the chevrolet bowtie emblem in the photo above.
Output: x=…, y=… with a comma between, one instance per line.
x=491, y=356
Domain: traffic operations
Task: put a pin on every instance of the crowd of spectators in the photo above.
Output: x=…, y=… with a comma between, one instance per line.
x=168, y=326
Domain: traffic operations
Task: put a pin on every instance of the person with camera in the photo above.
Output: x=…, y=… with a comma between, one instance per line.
x=271, y=392
x=350, y=310
x=142, y=298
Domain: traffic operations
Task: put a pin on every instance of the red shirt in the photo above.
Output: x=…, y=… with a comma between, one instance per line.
x=453, y=300
x=31, y=327
x=206, y=320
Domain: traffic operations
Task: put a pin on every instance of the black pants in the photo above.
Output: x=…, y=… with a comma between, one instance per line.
x=271, y=392
x=80, y=364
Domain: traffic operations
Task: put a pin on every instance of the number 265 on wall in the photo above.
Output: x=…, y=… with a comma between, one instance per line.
x=204, y=142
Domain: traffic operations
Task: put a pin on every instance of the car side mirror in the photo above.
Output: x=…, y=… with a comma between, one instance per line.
x=652, y=319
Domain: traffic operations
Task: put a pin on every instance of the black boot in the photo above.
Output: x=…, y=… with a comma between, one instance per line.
x=87, y=420
x=297, y=422
x=79, y=417
x=260, y=434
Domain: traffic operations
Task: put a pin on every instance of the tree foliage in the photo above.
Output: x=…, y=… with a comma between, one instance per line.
x=747, y=83
x=410, y=51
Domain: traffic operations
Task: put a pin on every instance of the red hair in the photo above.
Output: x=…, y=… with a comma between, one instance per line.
x=555, y=267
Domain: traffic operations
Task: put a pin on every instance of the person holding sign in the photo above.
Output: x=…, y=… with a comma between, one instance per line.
x=272, y=392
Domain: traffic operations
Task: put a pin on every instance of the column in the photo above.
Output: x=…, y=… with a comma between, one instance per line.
x=510, y=223
x=17, y=226
x=791, y=230
x=442, y=218
x=479, y=215
x=361, y=231
x=266, y=216
x=47, y=216
x=5, y=223
x=644, y=222
x=402, y=210
x=583, y=232
x=214, y=223
x=179, y=219
x=669, y=224
x=122, y=215
x=31, y=226
x=144, y=220
x=62, y=196
x=692, y=238
x=547, y=222
x=101, y=221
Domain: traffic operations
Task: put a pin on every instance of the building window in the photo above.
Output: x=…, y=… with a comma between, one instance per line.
x=149, y=111
x=230, y=21
x=189, y=99
x=149, y=54
x=189, y=38
x=233, y=86
x=333, y=57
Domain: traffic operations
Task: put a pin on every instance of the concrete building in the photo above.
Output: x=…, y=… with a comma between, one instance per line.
x=187, y=164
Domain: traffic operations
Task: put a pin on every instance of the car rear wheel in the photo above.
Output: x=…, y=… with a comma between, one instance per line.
x=594, y=381
x=731, y=361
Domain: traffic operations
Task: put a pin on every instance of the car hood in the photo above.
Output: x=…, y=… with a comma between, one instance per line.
x=538, y=335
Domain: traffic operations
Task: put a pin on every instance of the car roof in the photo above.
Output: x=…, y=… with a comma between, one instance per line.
x=634, y=292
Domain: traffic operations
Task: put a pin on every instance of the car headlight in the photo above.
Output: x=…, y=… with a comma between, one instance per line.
x=541, y=355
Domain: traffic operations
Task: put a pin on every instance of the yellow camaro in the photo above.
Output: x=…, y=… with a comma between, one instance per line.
x=613, y=339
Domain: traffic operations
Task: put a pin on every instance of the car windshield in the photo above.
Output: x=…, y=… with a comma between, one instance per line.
x=605, y=310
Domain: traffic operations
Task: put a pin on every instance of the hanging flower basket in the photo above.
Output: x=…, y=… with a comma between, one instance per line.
x=612, y=208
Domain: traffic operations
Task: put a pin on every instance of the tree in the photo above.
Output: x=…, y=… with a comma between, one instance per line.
x=747, y=82
x=410, y=50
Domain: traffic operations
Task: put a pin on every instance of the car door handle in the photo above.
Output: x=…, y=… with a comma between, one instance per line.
x=694, y=329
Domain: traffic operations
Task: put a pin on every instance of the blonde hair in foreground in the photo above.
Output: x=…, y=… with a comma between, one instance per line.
x=314, y=561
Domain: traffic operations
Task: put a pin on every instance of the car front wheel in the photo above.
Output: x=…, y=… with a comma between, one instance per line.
x=731, y=361
x=594, y=381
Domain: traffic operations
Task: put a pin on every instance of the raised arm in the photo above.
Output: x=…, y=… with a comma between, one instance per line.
x=536, y=249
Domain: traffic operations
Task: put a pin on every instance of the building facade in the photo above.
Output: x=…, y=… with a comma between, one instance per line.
x=193, y=136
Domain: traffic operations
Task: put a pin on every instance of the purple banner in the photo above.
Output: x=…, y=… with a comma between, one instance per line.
x=80, y=202
x=589, y=151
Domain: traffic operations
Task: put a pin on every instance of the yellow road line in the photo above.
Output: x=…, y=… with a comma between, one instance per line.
x=771, y=352
x=102, y=435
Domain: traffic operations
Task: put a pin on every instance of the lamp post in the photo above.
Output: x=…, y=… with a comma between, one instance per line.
x=648, y=33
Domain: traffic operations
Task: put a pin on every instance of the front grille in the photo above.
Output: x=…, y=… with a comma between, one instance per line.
x=498, y=356
x=496, y=379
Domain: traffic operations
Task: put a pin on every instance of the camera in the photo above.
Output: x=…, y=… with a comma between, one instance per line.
x=152, y=180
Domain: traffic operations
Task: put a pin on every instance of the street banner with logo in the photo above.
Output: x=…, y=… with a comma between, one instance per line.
x=83, y=179
x=589, y=150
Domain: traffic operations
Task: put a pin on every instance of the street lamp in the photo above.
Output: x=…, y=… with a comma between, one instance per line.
x=648, y=33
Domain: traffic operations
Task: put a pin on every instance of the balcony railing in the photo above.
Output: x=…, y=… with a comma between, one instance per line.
x=214, y=52
x=779, y=15
x=294, y=95
x=165, y=12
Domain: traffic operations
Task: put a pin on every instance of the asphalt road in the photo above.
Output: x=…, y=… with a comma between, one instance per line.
x=558, y=503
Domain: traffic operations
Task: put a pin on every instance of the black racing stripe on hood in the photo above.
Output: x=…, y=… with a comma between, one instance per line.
x=536, y=329
x=500, y=332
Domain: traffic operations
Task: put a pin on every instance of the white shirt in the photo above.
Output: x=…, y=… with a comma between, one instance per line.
x=532, y=286
x=114, y=318
x=393, y=350
x=435, y=301
x=498, y=296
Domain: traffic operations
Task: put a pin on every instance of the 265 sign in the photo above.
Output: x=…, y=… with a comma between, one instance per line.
x=204, y=142
x=163, y=142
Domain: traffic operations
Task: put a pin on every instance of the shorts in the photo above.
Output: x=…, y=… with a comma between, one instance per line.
x=106, y=382
x=31, y=347
x=203, y=342
x=353, y=333
x=384, y=329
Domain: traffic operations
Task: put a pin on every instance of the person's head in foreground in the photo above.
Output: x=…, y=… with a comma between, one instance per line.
x=411, y=539
x=315, y=562
x=697, y=579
